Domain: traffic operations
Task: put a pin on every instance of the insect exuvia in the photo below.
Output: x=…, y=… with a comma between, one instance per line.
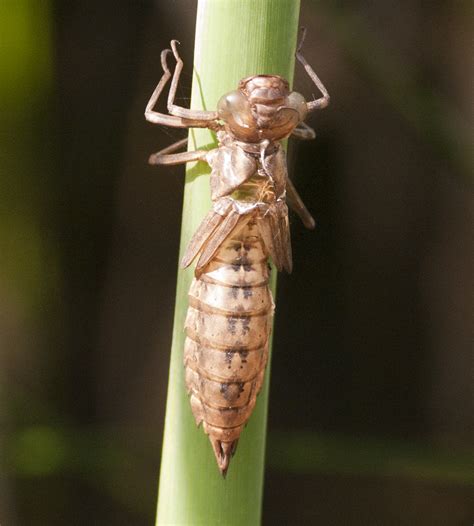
x=230, y=309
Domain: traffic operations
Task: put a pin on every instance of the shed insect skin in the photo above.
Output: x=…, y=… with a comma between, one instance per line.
x=230, y=303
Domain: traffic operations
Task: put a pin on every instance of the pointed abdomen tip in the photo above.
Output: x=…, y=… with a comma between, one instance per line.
x=223, y=452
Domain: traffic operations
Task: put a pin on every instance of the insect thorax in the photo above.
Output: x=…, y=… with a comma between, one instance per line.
x=239, y=170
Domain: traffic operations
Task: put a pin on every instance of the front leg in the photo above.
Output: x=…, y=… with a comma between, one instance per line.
x=156, y=117
x=185, y=113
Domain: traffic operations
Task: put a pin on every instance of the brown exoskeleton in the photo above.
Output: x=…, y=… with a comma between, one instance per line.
x=230, y=304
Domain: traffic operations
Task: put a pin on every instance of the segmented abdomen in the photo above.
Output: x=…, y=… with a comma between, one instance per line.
x=226, y=350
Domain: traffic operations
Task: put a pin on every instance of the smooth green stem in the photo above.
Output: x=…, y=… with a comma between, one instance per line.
x=234, y=39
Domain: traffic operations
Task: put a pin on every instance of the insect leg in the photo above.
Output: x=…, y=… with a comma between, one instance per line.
x=304, y=132
x=296, y=204
x=210, y=117
x=161, y=118
x=323, y=101
x=166, y=156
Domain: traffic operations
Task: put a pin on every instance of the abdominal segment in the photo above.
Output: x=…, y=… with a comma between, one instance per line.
x=226, y=349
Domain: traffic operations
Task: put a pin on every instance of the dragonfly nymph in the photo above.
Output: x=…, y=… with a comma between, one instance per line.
x=231, y=307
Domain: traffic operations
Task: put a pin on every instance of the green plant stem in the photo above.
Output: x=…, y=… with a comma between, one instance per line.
x=234, y=39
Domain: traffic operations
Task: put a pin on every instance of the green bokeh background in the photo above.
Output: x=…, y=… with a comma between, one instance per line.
x=371, y=405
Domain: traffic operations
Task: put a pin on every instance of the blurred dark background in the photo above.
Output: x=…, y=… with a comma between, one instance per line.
x=371, y=407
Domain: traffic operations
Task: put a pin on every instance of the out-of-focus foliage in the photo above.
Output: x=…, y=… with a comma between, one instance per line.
x=371, y=416
x=28, y=266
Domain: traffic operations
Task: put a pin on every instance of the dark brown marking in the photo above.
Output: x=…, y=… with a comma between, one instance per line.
x=206, y=342
x=231, y=323
x=243, y=356
x=224, y=390
x=245, y=325
x=204, y=308
x=241, y=283
x=226, y=262
x=215, y=378
x=235, y=246
x=242, y=262
x=228, y=357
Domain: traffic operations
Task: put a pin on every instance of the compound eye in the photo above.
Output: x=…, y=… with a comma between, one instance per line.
x=297, y=102
x=234, y=106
